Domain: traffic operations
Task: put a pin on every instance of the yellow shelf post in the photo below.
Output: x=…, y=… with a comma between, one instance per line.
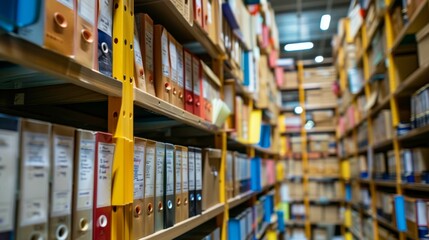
x=120, y=120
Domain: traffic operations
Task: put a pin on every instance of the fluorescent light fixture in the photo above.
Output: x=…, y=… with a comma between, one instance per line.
x=325, y=21
x=298, y=46
x=298, y=110
x=319, y=59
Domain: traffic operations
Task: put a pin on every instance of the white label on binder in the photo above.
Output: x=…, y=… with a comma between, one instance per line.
x=229, y=164
x=85, y=181
x=209, y=12
x=35, y=179
x=164, y=53
x=149, y=45
x=199, y=171
x=139, y=165
x=62, y=179
x=8, y=172
x=149, y=171
x=160, y=156
x=67, y=3
x=191, y=166
x=422, y=220
x=138, y=58
x=173, y=61
x=86, y=10
x=105, y=16
x=178, y=171
x=188, y=71
x=170, y=172
x=185, y=186
x=196, y=78
x=205, y=88
x=104, y=178
x=180, y=68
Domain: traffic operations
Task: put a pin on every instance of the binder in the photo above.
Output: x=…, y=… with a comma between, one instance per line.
x=146, y=37
x=189, y=95
x=85, y=32
x=162, y=64
x=255, y=180
x=83, y=187
x=191, y=178
x=229, y=175
x=197, y=84
x=188, y=11
x=9, y=142
x=62, y=158
x=104, y=30
x=149, y=188
x=178, y=183
x=180, y=103
x=173, y=69
x=159, y=186
x=211, y=177
x=18, y=14
x=139, y=183
x=198, y=12
x=401, y=223
x=53, y=28
x=34, y=180
x=185, y=184
x=140, y=79
x=104, y=153
x=169, y=197
x=198, y=180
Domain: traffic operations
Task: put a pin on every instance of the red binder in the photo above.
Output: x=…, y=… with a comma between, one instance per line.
x=104, y=153
x=197, y=79
x=189, y=96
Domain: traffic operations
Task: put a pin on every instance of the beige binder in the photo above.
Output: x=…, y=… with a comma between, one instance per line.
x=185, y=184
x=139, y=183
x=86, y=32
x=211, y=177
x=178, y=182
x=149, y=188
x=62, y=158
x=159, y=186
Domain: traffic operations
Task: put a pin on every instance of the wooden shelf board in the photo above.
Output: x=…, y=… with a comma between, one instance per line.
x=416, y=186
x=416, y=22
x=187, y=225
x=314, y=107
x=383, y=104
x=383, y=145
x=415, y=135
x=386, y=224
x=413, y=82
x=166, y=14
x=321, y=130
x=61, y=68
x=237, y=200
x=158, y=106
x=385, y=183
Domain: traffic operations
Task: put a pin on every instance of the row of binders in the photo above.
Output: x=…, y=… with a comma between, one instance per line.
x=63, y=177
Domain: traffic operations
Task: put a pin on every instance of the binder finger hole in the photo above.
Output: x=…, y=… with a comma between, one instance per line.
x=60, y=20
x=149, y=209
x=179, y=202
x=62, y=232
x=185, y=201
x=87, y=36
x=160, y=207
x=170, y=204
x=104, y=47
x=138, y=211
x=102, y=221
x=83, y=225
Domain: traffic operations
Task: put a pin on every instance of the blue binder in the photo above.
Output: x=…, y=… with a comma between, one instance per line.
x=234, y=228
x=18, y=13
x=255, y=178
x=280, y=221
x=265, y=137
x=401, y=222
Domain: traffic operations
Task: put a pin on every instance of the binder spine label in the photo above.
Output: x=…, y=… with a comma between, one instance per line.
x=149, y=171
x=87, y=10
x=164, y=52
x=139, y=167
x=85, y=181
x=105, y=16
x=205, y=88
x=188, y=71
x=185, y=187
x=8, y=170
x=198, y=169
x=178, y=171
x=104, y=174
x=173, y=61
x=191, y=170
x=63, y=176
x=67, y=3
x=34, y=200
x=160, y=156
x=170, y=172
x=149, y=45
x=180, y=68
x=196, y=76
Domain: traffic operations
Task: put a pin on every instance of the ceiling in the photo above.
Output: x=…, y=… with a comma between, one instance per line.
x=299, y=21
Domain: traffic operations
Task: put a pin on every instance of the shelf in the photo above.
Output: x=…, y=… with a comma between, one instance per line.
x=423, y=187
x=383, y=104
x=324, y=179
x=322, y=201
x=233, y=202
x=386, y=224
x=315, y=107
x=166, y=14
x=187, y=225
x=416, y=22
x=413, y=82
x=295, y=222
x=385, y=183
x=165, y=109
x=235, y=144
x=55, y=69
x=321, y=130
x=383, y=145
x=415, y=135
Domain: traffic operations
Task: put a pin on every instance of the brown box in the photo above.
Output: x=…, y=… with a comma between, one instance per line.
x=423, y=45
x=316, y=213
x=211, y=177
x=290, y=80
x=331, y=214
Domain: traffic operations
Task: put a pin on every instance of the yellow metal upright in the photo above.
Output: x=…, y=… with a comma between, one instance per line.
x=305, y=162
x=120, y=120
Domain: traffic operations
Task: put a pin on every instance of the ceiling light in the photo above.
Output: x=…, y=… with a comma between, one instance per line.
x=319, y=59
x=298, y=110
x=325, y=21
x=298, y=46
